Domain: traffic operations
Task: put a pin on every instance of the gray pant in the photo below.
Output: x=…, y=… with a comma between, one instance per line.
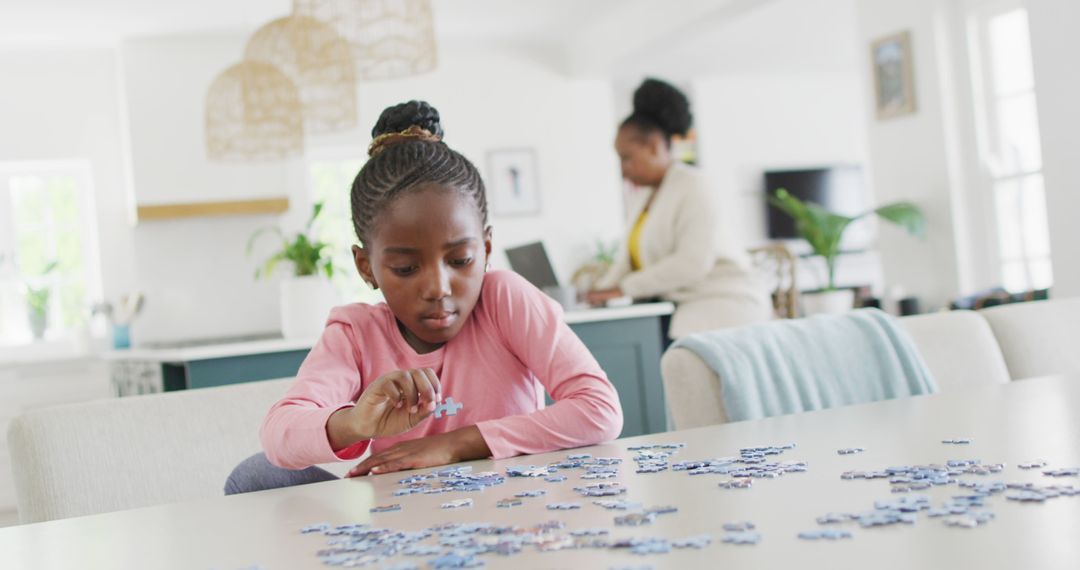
x=256, y=473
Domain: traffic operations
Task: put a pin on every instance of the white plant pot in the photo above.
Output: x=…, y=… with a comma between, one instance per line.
x=828, y=302
x=305, y=304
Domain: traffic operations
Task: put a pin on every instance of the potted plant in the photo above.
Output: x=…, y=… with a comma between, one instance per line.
x=308, y=295
x=823, y=230
x=37, y=303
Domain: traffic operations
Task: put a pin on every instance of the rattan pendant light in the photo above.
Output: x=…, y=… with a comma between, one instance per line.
x=253, y=112
x=389, y=38
x=318, y=61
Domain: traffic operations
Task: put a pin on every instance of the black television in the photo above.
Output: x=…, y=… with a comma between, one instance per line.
x=839, y=189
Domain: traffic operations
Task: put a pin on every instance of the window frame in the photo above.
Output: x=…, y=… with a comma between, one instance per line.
x=986, y=107
x=81, y=170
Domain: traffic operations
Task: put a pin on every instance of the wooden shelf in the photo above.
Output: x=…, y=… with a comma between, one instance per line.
x=208, y=209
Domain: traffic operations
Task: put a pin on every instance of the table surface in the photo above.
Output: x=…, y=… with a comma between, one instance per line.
x=226, y=350
x=1014, y=423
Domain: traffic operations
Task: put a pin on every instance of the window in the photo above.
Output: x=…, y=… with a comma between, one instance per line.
x=1010, y=149
x=330, y=181
x=46, y=213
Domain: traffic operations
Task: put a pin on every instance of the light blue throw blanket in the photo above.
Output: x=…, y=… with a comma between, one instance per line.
x=783, y=367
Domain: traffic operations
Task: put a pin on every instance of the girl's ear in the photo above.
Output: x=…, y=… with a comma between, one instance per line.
x=363, y=266
x=487, y=248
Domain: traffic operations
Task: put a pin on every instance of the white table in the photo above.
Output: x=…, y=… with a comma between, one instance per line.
x=1013, y=423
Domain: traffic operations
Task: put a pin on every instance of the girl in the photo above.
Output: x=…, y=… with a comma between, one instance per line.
x=678, y=248
x=449, y=327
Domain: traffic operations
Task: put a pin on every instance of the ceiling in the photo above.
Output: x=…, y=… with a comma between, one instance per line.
x=585, y=37
x=74, y=22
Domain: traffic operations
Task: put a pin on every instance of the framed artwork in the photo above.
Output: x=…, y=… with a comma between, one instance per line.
x=894, y=81
x=513, y=188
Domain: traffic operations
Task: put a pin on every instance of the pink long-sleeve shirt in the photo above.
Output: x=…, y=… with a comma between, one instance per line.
x=513, y=347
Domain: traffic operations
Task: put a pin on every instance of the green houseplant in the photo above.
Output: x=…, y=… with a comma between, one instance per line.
x=307, y=254
x=37, y=302
x=306, y=296
x=824, y=230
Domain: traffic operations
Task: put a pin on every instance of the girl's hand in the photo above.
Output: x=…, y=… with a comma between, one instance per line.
x=394, y=403
x=451, y=447
x=601, y=296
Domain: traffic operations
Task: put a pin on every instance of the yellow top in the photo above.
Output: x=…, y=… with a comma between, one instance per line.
x=635, y=241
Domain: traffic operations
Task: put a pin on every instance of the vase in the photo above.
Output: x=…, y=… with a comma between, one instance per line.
x=39, y=321
x=828, y=302
x=305, y=304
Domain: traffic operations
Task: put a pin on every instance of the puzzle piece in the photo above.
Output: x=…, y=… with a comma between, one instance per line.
x=747, y=537
x=458, y=504
x=448, y=408
x=827, y=534
x=697, y=542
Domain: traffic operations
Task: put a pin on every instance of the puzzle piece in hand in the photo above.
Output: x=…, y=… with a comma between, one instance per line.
x=448, y=408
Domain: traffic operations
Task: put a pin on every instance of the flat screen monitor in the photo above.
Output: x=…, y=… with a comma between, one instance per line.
x=531, y=262
x=839, y=189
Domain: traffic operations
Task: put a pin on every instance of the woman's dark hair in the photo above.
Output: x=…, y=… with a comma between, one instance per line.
x=660, y=107
x=408, y=152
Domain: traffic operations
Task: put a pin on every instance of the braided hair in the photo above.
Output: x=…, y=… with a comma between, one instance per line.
x=660, y=107
x=408, y=152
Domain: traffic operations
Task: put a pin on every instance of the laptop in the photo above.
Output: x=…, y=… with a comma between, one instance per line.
x=531, y=262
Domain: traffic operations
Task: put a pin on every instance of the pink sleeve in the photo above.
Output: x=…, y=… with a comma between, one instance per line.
x=294, y=432
x=586, y=409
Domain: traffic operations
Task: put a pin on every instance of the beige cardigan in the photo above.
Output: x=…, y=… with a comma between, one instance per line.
x=687, y=254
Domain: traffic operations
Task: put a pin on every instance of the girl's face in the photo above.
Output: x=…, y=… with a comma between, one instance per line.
x=644, y=157
x=428, y=254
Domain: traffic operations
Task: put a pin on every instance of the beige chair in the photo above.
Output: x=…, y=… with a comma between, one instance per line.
x=959, y=349
x=138, y=451
x=1038, y=338
x=777, y=265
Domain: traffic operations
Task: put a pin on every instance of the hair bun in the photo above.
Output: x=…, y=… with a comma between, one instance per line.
x=404, y=115
x=665, y=105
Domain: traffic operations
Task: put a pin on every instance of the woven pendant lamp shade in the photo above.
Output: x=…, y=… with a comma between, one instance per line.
x=389, y=38
x=253, y=112
x=318, y=61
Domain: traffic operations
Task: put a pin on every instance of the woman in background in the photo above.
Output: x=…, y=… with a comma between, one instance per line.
x=679, y=248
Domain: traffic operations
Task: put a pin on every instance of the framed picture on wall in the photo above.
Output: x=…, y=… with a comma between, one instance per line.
x=513, y=188
x=894, y=81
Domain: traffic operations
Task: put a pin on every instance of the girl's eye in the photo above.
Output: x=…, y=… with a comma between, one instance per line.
x=403, y=271
x=461, y=262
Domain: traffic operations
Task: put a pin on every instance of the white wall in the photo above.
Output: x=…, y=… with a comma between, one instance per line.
x=1055, y=45
x=195, y=273
x=910, y=155
x=492, y=99
x=65, y=104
